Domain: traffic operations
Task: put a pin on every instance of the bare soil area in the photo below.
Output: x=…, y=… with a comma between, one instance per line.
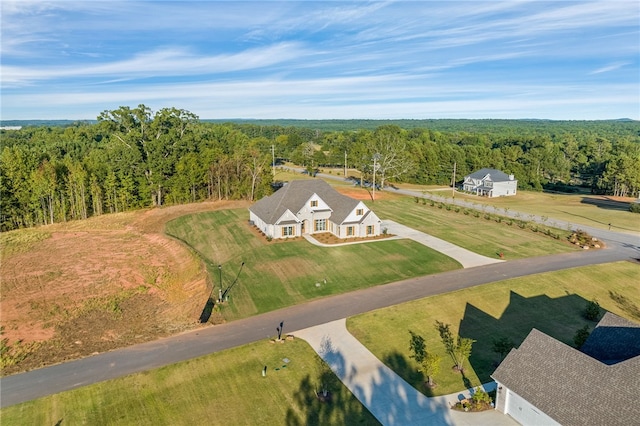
x=70, y=290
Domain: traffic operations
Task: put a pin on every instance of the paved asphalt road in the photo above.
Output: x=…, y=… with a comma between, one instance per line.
x=70, y=375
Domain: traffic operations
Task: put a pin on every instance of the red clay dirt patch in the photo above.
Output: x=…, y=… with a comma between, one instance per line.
x=99, y=284
x=362, y=194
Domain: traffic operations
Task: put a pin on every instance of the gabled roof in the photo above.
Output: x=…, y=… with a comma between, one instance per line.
x=570, y=386
x=496, y=175
x=295, y=194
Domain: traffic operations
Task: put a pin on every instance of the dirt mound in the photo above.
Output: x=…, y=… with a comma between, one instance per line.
x=90, y=286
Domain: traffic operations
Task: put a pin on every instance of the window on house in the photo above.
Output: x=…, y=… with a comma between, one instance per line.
x=369, y=229
x=314, y=203
x=288, y=231
x=349, y=231
x=320, y=225
x=359, y=212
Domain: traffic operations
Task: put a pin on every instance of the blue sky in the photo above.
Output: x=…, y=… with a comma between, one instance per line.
x=322, y=60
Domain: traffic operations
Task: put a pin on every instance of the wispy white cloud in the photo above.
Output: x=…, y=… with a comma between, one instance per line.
x=290, y=58
x=163, y=62
x=610, y=67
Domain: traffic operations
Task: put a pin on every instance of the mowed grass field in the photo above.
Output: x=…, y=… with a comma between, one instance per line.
x=486, y=237
x=283, y=273
x=551, y=302
x=585, y=209
x=225, y=388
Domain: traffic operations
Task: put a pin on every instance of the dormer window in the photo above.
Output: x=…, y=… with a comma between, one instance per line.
x=314, y=203
x=359, y=212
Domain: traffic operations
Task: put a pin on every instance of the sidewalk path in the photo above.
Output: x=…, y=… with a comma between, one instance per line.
x=466, y=258
x=385, y=394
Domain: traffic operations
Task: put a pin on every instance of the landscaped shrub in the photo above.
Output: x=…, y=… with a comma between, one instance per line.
x=581, y=336
x=592, y=311
x=634, y=208
x=583, y=239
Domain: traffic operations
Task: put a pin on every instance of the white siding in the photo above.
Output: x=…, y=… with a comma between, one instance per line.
x=525, y=413
x=353, y=217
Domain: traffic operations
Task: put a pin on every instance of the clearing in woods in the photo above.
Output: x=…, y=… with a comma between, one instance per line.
x=73, y=289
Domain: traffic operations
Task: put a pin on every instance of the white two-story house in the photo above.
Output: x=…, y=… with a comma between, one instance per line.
x=313, y=206
x=490, y=183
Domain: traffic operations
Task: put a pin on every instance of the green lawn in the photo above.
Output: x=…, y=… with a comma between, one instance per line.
x=226, y=388
x=551, y=302
x=285, y=273
x=486, y=237
x=574, y=208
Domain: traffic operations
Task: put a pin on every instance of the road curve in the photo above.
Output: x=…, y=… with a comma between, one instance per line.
x=109, y=365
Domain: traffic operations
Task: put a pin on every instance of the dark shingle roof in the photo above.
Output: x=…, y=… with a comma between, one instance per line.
x=570, y=386
x=613, y=340
x=496, y=175
x=296, y=193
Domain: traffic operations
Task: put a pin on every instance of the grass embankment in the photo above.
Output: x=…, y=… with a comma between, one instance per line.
x=283, y=273
x=552, y=302
x=226, y=388
x=486, y=237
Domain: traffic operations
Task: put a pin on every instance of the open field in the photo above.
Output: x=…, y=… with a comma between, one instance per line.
x=226, y=388
x=72, y=289
x=597, y=211
x=283, y=273
x=551, y=302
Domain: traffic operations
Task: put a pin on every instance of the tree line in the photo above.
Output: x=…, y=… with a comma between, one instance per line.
x=133, y=158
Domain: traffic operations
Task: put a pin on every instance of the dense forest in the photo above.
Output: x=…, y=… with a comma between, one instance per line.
x=132, y=158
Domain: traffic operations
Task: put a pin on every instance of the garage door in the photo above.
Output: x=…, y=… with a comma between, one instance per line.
x=525, y=413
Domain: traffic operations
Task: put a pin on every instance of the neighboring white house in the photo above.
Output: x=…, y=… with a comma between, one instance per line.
x=546, y=382
x=313, y=206
x=490, y=183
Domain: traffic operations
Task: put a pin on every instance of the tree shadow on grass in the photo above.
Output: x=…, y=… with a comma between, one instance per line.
x=407, y=370
x=207, y=310
x=381, y=392
x=606, y=203
x=559, y=318
x=324, y=400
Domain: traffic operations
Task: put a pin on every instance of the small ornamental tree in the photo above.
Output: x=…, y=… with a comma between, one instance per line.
x=417, y=347
x=592, y=311
x=430, y=366
x=459, y=349
x=503, y=346
x=581, y=336
x=463, y=351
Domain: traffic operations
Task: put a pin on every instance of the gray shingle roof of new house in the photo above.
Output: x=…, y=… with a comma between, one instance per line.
x=572, y=387
x=496, y=175
x=296, y=193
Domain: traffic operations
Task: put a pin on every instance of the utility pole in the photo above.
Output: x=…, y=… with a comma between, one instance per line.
x=225, y=296
x=345, y=163
x=273, y=160
x=453, y=181
x=220, y=276
x=375, y=167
